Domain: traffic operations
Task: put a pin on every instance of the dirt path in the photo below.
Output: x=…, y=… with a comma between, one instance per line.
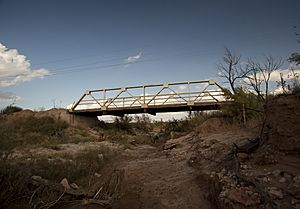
x=160, y=179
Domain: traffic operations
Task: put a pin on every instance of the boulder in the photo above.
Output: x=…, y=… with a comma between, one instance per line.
x=65, y=183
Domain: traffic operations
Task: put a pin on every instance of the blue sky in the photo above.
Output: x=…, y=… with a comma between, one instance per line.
x=86, y=44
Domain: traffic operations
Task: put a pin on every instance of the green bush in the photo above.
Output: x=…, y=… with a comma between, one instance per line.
x=242, y=100
x=10, y=109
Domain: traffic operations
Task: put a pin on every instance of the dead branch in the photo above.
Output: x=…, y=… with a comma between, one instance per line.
x=94, y=201
x=249, y=147
x=230, y=69
x=51, y=204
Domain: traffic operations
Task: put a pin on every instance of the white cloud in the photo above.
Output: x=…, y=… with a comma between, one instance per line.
x=7, y=96
x=287, y=74
x=132, y=59
x=15, y=68
x=278, y=90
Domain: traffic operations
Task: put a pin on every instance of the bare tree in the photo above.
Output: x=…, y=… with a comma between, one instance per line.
x=282, y=84
x=230, y=69
x=267, y=68
x=260, y=74
x=254, y=77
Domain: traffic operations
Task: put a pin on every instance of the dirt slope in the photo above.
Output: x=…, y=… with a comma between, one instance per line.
x=283, y=123
x=160, y=179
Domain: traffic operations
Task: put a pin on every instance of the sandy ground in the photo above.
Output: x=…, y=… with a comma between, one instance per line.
x=158, y=179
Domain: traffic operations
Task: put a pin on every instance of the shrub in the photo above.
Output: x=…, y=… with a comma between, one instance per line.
x=142, y=123
x=15, y=175
x=29, y=131
x=123, y=123
x=45, y=125
x=10, y=109
x=242, y=100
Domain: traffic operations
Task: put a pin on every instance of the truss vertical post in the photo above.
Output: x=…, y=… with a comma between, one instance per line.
x=144, y=95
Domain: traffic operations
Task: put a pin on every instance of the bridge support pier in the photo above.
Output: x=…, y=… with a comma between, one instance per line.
x=82, y=121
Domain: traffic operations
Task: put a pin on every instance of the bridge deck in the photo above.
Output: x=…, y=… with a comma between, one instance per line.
x=154, y=98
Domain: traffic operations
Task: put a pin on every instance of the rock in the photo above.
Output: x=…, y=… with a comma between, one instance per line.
x=224, y=171
x=287, y=176
x=169, y=146
x=206, y=144
x=172, y=135
x=296, y=181
x=155, y=136
x=133, y=142
x=232, y=185
x=295, y=192
x=241, y=195
x=275, y=193
x=243, y=156
x=249, y=192
x=220, y=175
x=297, y=206
x=244, y=166
x=98, y=175
x=276, y=172
x=230, y=174
x=212, y=174
x=282, y=180
x=74, y=186
x=36, y=178
x=223, y=194
x=295, y=201
x=265, y=179
x=65, y=183
x=100, y=157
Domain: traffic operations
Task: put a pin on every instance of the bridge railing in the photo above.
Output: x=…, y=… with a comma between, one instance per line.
x=154, y=95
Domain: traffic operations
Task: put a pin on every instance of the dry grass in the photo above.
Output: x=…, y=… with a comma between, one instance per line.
x=30, y=131
x=15, y=175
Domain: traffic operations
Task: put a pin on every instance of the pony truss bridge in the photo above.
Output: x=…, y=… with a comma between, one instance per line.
x=152, y=99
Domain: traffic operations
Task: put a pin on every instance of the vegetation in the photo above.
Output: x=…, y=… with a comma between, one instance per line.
x=295, y=57
x=10, y=109
x=16, y=174
x=252, y=74
x=30, y=131
x=244, y=104
x=259, y=75
x=250, y=82
x=231, y=70
x=294, y=87
x=123, y=123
